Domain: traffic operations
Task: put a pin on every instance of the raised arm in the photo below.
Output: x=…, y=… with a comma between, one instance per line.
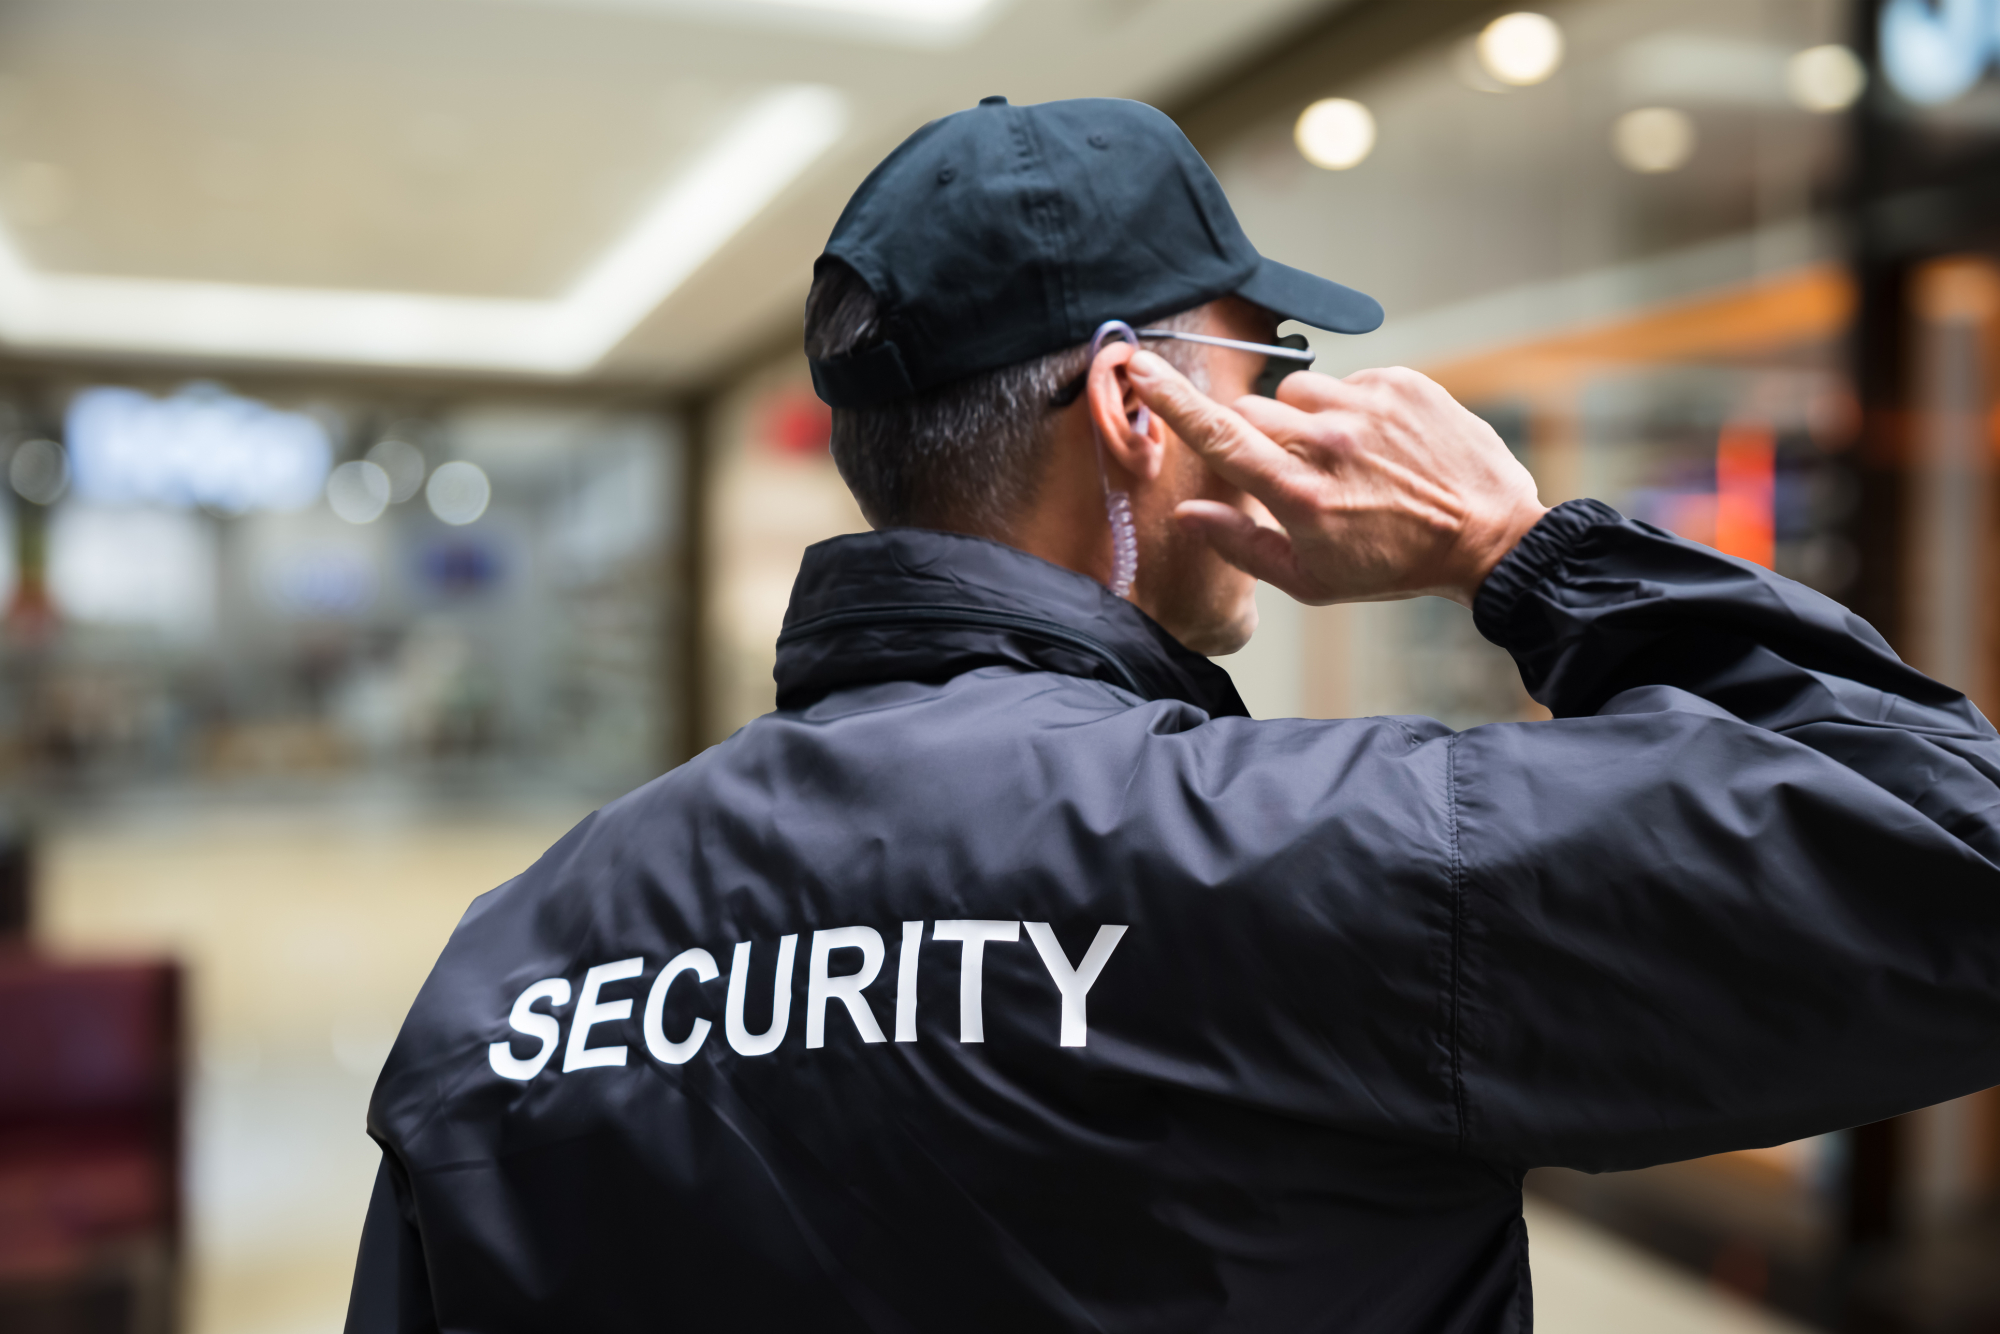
x=1742, y=889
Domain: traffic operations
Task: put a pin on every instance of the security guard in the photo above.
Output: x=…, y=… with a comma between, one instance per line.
x=1008, y=977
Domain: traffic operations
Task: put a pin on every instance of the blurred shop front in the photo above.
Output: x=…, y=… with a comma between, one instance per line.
x=294, y=668
x=1732, y=266
x=263, y=583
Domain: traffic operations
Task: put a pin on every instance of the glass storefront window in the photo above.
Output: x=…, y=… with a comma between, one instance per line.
x=469, y=594
x=1628, y=265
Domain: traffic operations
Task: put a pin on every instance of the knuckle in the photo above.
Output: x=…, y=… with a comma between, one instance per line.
x=1334, y=436
x=1405, y=385
x=1291, y=498
x=1222, y=428
x=1201, y=424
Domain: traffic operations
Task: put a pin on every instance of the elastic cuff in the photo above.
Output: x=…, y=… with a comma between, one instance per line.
x=1536, y=557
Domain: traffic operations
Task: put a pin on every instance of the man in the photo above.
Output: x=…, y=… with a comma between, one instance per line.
x=1008, y=977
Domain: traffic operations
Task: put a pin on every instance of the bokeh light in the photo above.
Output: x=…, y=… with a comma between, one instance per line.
x=38, y=472
x=1335, y=133
x=1825, y=78
x=1521, y=49
x=358, y=491
x=1654, y=139
x=404, y=463
x=1935, y=53
x=458, y=492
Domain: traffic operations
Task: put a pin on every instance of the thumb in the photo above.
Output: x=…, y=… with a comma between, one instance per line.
x=1243, y=542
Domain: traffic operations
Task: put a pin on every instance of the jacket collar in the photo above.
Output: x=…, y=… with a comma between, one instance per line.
x=909, y=604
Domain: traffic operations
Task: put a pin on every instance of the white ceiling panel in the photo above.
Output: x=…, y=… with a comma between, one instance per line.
x=515, y=185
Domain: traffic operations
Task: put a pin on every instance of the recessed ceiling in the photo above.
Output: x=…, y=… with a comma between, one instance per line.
x=440, y=182
x=400, y=177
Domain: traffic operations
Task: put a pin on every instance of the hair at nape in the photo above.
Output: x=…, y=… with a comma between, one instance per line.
x=966, y=455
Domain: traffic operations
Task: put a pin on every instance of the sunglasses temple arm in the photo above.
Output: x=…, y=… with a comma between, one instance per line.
x=1305, y=354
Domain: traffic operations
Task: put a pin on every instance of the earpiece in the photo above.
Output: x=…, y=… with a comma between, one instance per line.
x=1117, y=504
x=1124, y=543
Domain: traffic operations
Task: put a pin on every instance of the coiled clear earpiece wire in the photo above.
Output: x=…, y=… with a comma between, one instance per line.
x=1118, y=504
x=1124, y=543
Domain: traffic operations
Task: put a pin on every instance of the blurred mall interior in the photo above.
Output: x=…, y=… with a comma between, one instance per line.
x=409, y=448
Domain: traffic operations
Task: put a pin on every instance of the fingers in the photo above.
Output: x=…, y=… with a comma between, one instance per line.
x=1315, y=392
x=1238, y=451
x=1242, y=541
x=1282, y=423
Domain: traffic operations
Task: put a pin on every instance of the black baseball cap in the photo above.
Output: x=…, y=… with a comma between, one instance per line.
x=1003, y=233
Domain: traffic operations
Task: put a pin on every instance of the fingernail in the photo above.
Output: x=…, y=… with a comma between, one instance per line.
x=1146, y=365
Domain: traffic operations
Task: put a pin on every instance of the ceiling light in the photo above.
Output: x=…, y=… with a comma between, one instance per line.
x=1335, y=133
x=933, y=23
x=1521, y=49
x=1825, y=78
x=910, y=11
x=1653, y=139
x=729, y=183
x=929, y=13
x=458, y=492
x=727, y=186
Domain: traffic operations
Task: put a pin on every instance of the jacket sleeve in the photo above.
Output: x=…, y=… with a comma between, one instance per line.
x=392, y=1293
x=1742, y=888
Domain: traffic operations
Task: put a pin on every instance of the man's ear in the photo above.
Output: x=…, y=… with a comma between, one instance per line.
x=1118, y=416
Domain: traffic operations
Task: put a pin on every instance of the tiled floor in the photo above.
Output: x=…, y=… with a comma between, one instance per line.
x=306, y=933
x=308, y=930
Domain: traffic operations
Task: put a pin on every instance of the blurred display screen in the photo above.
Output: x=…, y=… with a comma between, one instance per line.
x=199, y=446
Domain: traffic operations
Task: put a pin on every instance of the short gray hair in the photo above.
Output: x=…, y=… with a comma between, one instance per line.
x=965, y=455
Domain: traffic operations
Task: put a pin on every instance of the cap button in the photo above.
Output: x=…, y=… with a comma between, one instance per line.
x=994, y=101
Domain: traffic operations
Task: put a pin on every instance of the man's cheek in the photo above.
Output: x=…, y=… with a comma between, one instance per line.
x=1199, y=481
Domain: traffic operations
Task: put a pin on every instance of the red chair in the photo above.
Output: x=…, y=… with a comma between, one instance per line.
x=90, y=1133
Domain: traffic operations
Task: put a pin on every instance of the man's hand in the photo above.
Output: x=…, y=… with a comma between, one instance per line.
x=1386, y=487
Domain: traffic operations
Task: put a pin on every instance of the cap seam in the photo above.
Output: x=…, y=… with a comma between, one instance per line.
x=1043, y=205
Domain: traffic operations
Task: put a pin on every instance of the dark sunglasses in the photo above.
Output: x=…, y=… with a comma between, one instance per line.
x=1288, y=354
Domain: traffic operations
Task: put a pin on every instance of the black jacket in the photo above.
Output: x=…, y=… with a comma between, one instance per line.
x=1108, y=1008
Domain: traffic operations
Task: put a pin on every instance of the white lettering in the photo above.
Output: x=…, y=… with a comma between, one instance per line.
x=702, y=964
x=744, y=1041
x=821, y=988
x=590, y=1011
x=906, y=982
x=973, y=933
x=1073, y=983
x=523, y=1019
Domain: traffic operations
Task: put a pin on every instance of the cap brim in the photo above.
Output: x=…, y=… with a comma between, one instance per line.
x=1294, y=294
